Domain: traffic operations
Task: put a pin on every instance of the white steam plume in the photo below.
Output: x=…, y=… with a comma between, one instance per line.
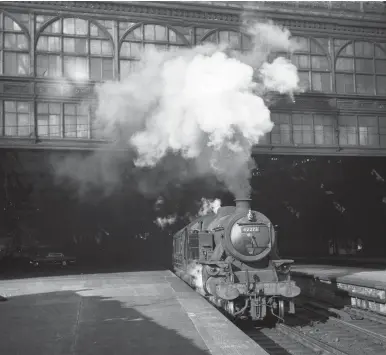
x=209, y=206
x=162, y=222
x=160, y=201
x=205, y=104
x=195, y=270
x=275, y=75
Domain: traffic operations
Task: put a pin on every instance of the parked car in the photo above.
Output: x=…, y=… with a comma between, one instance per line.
x=51, y=258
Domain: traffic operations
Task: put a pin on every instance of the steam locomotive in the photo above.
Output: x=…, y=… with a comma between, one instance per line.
x=231, y=258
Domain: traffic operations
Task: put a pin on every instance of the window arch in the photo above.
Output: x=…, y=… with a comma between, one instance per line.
x=313, y=65
x=75, y=48
x=14, y=48
x=146, y=36
x=236, y=40
x=361, y=69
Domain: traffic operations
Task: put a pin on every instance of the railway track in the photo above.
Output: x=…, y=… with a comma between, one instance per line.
x=366, y=321
x=368, y=315
x=320, y=329
x=281, y=340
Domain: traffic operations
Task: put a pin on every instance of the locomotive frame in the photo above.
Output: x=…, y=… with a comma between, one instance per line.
x=231, y=259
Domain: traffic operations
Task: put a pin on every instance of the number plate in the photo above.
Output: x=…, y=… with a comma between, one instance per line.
x=250, y=229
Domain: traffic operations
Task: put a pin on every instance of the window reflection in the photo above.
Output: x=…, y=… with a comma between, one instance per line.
x=17, y=119
x=302, y=125
x=323, y=129
x=281, y=132
x=368, y=130
x=235, y=40
x=76, y=121
x=382, y=131
x=14, y=48
x=301, y=129
x=366, y=63
x=143, y=37
x=57, y=120
x=49, y=120
x=313, y=65
x=75, y=48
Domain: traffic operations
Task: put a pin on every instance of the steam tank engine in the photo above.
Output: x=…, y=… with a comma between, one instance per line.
x=230, y=258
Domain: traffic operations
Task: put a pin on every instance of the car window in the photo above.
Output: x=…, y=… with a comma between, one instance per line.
x=55, y=254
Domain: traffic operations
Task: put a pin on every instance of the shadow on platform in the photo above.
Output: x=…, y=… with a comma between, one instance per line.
x=25, y=271
x=67, y=323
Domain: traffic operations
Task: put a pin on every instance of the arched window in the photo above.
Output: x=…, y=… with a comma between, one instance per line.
x=313, y=65
x=236, y=40
x=75, y=48
x=361, y=69
x=146, y=36
x=14, y=48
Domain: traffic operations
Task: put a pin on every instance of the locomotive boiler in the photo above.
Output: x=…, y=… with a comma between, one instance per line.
x=230, y=258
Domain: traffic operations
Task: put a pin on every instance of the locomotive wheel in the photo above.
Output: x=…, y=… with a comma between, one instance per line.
x=281, y=309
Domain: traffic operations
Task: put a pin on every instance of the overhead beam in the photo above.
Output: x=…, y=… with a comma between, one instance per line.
x=319, y=151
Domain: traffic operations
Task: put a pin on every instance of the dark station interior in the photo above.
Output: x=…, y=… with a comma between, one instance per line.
x=320, y=205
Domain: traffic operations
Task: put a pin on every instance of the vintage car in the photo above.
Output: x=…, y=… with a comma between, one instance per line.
x=51, y=258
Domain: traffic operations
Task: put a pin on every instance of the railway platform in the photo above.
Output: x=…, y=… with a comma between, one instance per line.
x=139, y=313
x=358, y=287
x=341, y=260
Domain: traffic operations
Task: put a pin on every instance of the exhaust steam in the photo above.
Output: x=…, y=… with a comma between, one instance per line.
x=206, y=104
x=209, y=206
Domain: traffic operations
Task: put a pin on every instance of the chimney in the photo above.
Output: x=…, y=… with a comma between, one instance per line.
x=243, y=204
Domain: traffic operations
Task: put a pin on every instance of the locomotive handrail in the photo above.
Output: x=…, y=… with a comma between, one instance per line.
x=251, y=223
x=270, y=236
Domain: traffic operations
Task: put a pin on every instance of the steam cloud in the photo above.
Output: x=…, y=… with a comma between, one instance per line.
x=195, y=270
x=158, y=203
x=162, y=222
x=208, y=206
x=204, y=104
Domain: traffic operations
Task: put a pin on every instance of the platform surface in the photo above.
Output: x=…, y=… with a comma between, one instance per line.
x=136, y=313
x=350, y=275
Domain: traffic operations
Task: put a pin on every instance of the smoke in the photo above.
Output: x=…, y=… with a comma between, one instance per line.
x=95, y=170
x=159, y=203
x=162, y=222
x=209, y=206
x=267, y=40
x=195, y=270
x=205, y=105
x=275, y=75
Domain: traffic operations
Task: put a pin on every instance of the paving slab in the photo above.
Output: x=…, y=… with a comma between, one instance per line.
x=133, y=313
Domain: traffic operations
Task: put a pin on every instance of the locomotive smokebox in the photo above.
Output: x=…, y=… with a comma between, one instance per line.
x=243, y=204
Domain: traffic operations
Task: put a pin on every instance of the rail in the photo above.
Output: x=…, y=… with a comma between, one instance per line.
x=318, y=328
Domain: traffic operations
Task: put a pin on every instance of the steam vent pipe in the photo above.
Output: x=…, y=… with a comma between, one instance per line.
x=243, y=204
